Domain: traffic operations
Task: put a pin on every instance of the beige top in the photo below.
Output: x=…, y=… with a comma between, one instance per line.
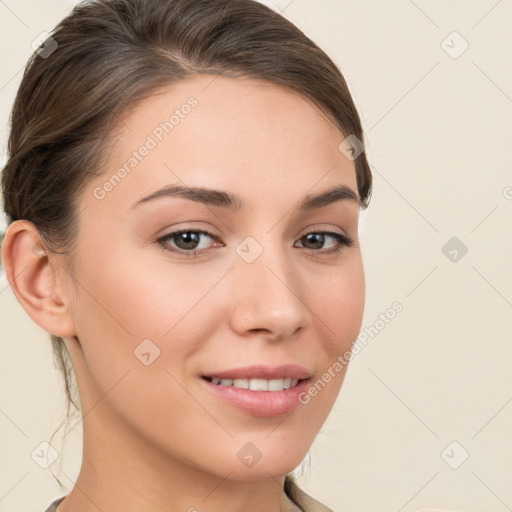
x=305, y=502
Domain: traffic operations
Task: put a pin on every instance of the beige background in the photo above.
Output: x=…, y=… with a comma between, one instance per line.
x=438, y=134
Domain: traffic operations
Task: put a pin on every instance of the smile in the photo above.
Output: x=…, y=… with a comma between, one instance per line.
x=258, y=397
x=255, y=384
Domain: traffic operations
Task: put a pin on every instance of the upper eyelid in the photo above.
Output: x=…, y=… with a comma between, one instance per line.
x=176, y=232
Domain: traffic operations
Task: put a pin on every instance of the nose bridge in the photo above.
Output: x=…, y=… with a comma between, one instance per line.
x=268, y=289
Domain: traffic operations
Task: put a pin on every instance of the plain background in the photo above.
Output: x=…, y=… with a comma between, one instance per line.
x=437, y=117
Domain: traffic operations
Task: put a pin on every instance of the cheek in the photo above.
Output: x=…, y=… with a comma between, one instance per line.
x=129, y=300
x=132, y=309
x=339, y=306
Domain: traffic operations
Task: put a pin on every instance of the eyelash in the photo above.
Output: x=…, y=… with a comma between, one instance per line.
x=343, y=242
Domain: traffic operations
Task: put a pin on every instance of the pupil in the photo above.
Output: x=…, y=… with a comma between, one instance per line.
x=319, y=239
x=189, y=238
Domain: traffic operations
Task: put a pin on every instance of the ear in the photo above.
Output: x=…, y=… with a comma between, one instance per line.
x=30, y=269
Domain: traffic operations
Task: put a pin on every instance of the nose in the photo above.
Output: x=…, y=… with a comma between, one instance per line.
x=268, y=296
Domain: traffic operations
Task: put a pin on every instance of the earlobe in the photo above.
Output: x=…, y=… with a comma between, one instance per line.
x=30, y=269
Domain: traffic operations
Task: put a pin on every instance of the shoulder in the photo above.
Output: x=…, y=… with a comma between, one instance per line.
x=301, y=499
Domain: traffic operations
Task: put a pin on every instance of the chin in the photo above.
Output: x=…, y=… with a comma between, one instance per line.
x=253, y=464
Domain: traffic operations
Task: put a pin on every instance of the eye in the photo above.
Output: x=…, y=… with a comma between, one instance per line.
x=189, y=242
x=318, y=238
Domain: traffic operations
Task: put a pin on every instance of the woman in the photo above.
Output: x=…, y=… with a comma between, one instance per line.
x=183, y=189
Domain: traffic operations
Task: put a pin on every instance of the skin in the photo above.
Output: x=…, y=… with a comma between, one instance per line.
x=154, y=438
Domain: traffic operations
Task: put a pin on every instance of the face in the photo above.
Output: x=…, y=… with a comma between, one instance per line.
x=172, y=288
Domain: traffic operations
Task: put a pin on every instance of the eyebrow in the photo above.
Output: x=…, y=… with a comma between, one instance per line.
x=235, y=203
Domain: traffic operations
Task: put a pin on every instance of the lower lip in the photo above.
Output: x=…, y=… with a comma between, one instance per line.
x=264, y=404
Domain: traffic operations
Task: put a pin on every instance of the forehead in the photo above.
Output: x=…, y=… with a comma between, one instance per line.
x=245, y=135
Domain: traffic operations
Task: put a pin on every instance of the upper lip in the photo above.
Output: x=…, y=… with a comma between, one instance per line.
x=261, y=371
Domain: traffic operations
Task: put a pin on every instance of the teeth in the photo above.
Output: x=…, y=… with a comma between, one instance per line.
x=257, y=384
x=240, y=383
x=275, y=385
x=260, y=384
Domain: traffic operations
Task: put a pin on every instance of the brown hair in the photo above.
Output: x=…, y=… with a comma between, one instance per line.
x=108, y=54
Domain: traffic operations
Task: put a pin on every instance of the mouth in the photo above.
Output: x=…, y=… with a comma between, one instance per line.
x=256, y=384
x=262, y=390
x=263, y=398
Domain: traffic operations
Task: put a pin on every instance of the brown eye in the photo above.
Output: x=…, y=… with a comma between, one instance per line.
x=316, y=240
x=186, y=242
